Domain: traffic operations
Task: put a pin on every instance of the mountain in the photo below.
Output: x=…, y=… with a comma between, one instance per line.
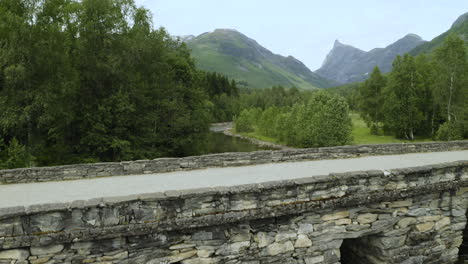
x=459, y=27
x=231, y=53
x=346, y=64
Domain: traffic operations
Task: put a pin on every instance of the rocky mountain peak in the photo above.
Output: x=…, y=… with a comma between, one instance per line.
x=346, y=64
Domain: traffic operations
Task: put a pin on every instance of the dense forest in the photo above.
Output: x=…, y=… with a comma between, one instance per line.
x=425, y=96
x=92, y=80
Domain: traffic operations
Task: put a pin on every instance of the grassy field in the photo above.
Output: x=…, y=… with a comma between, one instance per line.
x=361, y=135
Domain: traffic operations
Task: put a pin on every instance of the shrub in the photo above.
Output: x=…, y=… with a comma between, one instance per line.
x=450, y=131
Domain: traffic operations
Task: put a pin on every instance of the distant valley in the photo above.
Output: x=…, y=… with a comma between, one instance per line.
x=230, y=52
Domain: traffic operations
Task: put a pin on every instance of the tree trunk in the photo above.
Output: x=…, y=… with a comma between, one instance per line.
x=432, y=120
x=449, y=105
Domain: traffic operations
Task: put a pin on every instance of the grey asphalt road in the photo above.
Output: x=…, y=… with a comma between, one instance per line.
x=68, y=191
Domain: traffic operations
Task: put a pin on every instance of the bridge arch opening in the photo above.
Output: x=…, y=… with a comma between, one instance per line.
x=463, y=249
x=362, y=250
x=352, y=250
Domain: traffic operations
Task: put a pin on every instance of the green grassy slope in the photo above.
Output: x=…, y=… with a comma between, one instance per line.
x=460, y=27
x=235, y=55
x=362, y=134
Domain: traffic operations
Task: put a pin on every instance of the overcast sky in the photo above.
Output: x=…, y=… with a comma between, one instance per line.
x=307, y=29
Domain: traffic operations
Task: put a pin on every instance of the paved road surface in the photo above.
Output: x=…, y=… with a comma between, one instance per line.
x=67, y=191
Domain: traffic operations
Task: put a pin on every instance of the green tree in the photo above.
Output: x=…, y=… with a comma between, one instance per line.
x=13, y=155
x=92, y=80
x=452, y=69
x=324, y=121
x=371, y=98
x=403, y=116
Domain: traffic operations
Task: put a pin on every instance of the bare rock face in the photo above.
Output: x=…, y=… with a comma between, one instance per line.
x=346, y=64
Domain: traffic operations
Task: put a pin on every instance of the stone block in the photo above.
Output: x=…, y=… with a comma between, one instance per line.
x=442, y=223
x=279, y=248
x=233, y=248
x=314, y=260
x=285, y=236
x=264, y=239
x=424, y=226
x=407, y=221
x=302, y=241
x=403, y=203
x=14, y=254
x=366, y=218
x=335, y=216
x=53, y=249
x=305, y=229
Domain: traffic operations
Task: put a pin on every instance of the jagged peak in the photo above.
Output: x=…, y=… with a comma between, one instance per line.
x=460, y=20
x=338, y=43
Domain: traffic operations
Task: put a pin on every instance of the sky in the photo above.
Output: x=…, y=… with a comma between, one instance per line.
x=307, y=29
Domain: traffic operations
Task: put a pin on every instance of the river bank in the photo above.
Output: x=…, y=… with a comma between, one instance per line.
x=227, y=129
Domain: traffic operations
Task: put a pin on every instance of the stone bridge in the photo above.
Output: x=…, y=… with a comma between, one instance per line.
x=395, y=203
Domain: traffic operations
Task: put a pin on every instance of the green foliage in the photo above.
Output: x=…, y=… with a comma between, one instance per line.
x=452, y=68
x=93, y=81
x=323, y=120
x=13, y=155
x=277, y=96
x=371, y=100
x=450, y=131
x=247, y=119
x=224, y=95
x=420, y=95
x=402, y=114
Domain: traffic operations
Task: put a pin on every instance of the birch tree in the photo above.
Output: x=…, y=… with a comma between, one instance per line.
x=452, y=67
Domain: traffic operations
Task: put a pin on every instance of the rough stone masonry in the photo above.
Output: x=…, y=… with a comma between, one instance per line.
x=410, y=216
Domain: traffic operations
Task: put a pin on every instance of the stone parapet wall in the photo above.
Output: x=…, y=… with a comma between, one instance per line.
x=415, y=213
x=83, y=171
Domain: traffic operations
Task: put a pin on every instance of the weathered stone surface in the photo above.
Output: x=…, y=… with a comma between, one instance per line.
x=343, y=221
x=442, y=223
x=15, y=254
x=181, y=256
x=233, y=248
x=205, y=251
x=305, y=229
x=336, y=215
x=285, y=236
x=53, y=249
x=182, y=246
x=424, y=227
x=366, y=218
x=201, y=261
x=302, y=242
x=399, y=204
x=314, y=260
x=278, y=222
x=84, y=171
x=264, y=239
x=407, y=221
x=279, y=248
